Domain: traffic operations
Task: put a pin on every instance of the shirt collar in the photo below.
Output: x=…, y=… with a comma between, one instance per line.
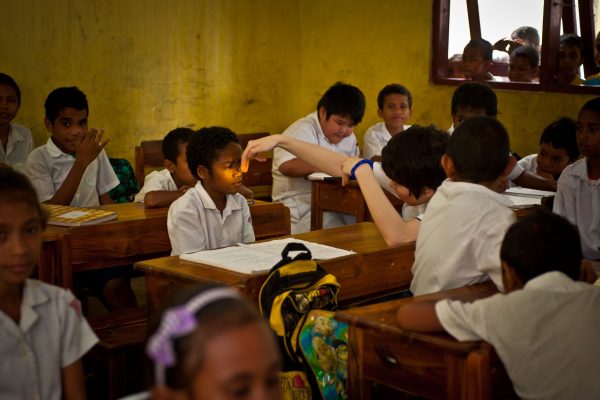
x=53, y=149
x=554, y=281
x=208, y=202
x=32, y=297
x=578, y=169
x=456, y=187
x=15, y=134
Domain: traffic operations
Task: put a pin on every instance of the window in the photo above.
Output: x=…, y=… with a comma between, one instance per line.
x=455, y=22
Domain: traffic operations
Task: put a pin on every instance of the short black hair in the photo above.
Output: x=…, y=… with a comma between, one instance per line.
x=16, y=188
x=475, y=95
x=571, y=39
x=65, y=97
x=561, y=134
x=479, y=149
x=205, y=144
x=528, y=34
x=345, y=100
x=412, y=158
x=171, y=142
x=592, y=105
x=540, y=243
x=528, y=52
x=7, y=80
x=484, y=47
x=394, y=88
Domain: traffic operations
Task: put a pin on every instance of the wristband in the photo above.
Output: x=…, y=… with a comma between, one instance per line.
x=358, y=164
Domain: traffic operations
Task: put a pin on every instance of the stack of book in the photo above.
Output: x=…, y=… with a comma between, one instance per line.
x=76, y=216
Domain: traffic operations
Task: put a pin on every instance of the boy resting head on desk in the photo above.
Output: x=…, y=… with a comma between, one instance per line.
x=546, y=328
x=212, y=214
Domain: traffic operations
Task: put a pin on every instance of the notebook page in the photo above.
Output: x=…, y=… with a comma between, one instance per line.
x=240, y=259
x=318, y=251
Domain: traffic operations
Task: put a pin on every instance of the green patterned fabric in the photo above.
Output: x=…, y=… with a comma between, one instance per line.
x=129, y=186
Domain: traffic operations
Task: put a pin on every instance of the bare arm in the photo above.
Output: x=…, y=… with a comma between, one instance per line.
x=161, y=198
x=529, y=180
x=73, y=381
x=105, y=199
x=419, y=316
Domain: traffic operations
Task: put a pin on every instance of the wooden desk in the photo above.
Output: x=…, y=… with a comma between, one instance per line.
x=376, y=269
x=429, y=365
x=330, y=195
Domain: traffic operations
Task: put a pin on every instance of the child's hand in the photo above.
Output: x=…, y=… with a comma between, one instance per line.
x=587, y=273
x=346, y=168
x=543, y=174
x=90, y=146
x=500, y=185
x=255, y=147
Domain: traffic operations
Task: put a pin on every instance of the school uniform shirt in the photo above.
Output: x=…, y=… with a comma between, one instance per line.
x=578, y=200
x=294, y=192
x=18, y=147
x=545, y=334
x=529, y=163
x=194, y=222
x=375, y=139
x=156, y=180
x=48, y=167
x=459, y=239
x=52, y=334
x=408, y=212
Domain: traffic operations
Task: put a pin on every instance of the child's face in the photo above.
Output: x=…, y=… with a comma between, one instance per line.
x=551, y=160
x=569, y=60
x=409, y=198
x=473, y=64
x=519, y=70
x=335, y=128
x=20, y=241
x=588, y=133
x=9, y=104
x=464, y=113
x=241, y=363
x=395, y=113
x=180, y=169
x=68, y=128
x=225, y=176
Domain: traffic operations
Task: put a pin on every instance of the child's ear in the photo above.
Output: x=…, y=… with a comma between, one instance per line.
x=322, y=113
x=448, y=166
x=510, y=279
x=202, y=172
x=170, y=165
x=512, y=162
x=49, y=125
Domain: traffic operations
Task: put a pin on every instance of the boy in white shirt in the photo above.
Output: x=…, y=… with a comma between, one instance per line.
x=340, y=109
x=545, y=329
x=578, y=195
x=161, y=188
x=465, y=220
x=212, y=214
x=394, y=105
x=16, y=140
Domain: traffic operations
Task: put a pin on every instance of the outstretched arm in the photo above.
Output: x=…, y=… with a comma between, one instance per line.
x=419, y=316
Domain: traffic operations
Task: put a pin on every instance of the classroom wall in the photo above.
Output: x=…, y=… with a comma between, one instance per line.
x=253, y=65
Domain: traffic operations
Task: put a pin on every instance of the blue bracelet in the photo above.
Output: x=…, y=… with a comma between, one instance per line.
x=358, y=164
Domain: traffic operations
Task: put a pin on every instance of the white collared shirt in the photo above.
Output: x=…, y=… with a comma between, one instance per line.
x=295, y=192
x=18, y=147
x=529, y=163
x=578, y=200
x=375, y=139
x=459, y=239
x=156, y=180
x=547, y=335
x=52, y=334
x=48, y=167
x=194, y=222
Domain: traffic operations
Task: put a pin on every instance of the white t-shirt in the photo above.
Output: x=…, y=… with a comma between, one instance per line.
x=18, y=147
x=459, y=239
x=194, y=222
x=52, y=334
x=295, y=192
x=578, y=200
x=375, y=139
x=529, y=163
x=156, y=180
x=547, y=335
x=48, y=167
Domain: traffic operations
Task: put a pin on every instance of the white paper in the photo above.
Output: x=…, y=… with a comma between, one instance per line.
x=524, y=202
x=73, y=214
x=520, y=191
x=321, y=176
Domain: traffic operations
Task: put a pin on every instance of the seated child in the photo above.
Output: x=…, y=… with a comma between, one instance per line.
x=212, y=214
x=331, y=126
x=411, y=160
x=161, y=188
x=42, y=332
x=465, y=220
x=477, y=60
x=558, y=148
x=524, y=64
x=545, y=329
x=594, y=79
x=72, y=167
x=394, y=105
x=570, y=58
x=220, y=349
x=578, y=195
x=16, y=140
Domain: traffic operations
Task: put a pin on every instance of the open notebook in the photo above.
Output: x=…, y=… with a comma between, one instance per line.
x=76, y=216
x=258, y=257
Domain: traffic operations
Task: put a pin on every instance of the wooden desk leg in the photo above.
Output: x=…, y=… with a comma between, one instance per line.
x=358, y=388
x=316, y=212
x=478, y=375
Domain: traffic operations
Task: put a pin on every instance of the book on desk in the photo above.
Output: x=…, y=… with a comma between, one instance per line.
x=76, y=216
x=527, y=198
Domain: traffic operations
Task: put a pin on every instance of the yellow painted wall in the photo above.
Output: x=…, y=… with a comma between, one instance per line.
x=253, y=65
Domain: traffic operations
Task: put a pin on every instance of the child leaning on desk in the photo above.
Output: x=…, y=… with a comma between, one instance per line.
x=212, y=214
x=546, y=328
x=43, y=334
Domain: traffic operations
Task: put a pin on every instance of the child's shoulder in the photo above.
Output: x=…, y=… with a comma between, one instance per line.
x=21, y=131
x=39, y=293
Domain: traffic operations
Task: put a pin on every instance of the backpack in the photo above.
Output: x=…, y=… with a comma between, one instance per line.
x=293, y=288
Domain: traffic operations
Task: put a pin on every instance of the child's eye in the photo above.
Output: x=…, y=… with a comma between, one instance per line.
x=3, y=235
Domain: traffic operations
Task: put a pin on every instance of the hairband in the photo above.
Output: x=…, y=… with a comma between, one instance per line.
x=177, y=322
